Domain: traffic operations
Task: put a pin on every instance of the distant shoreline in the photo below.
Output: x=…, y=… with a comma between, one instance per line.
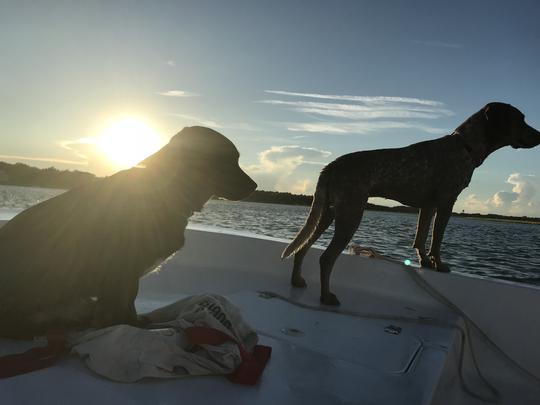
x=19, y=174
x=276, y=197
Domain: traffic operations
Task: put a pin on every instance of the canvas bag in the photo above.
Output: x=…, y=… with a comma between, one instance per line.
x=125, y=353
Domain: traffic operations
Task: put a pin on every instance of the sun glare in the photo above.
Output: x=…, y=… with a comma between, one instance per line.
x=128, y=141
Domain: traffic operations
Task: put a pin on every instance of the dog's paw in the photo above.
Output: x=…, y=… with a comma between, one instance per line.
x=329, y=299
x=142, y=321
x=443, y=267
x=425, y=261
x=298, y=282
x=437, y=265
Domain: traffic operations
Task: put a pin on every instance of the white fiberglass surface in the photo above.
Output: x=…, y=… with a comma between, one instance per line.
x=322, y=357
x=378, y=344
x=329, y=358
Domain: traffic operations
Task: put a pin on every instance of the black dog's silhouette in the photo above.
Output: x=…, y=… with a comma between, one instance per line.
x=75, y=260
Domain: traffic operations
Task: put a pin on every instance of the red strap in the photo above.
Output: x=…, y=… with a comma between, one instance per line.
x=250, y=370
x=36, y=358
x=252, y=366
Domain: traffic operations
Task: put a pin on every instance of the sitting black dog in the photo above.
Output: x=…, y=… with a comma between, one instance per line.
x=74, y=261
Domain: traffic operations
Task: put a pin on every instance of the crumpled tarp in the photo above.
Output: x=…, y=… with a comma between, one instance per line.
x=127, y=354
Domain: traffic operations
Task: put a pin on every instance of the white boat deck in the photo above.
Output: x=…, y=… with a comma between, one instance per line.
x=319, y=355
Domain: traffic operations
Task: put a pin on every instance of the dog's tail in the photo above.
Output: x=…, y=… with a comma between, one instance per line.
x=318, y=206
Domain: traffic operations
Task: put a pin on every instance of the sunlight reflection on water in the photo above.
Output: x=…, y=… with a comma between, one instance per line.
x=14, y=199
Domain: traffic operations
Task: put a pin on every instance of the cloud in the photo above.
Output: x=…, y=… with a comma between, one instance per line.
x=171, y=63
x=90, y=150
x=44, y=159
x=473, y=204
x=79, y=146
x=503, y=199
x=374, y=100
x=194, y=120
x=293, y=154
x=348, y=114
x=79, y=152
x=360, y=127
x=362, y=111
x=177, y=93
x=524, y=186
x=437, y=44
x=86, y=150
x=520, y=201
x=288, y=168
x=304, y=186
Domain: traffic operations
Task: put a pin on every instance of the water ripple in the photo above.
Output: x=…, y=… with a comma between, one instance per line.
x=505, y=250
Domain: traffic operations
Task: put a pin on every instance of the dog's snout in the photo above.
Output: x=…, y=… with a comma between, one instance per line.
x=529, y=139
x=248, y=184
x=236, y=185
x=535, y=134
x=252, y=185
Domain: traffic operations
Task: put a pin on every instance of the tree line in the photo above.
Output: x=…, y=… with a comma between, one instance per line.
x=19, y=174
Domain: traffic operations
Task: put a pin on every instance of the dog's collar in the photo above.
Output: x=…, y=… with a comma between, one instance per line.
x=465, y=144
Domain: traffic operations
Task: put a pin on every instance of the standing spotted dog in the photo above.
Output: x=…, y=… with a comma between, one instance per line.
x=427, y=175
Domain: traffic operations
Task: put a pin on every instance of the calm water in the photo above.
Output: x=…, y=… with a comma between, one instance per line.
x=14, y=199
x=504, y=250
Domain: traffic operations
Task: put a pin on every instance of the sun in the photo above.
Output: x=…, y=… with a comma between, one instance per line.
x=127, y=141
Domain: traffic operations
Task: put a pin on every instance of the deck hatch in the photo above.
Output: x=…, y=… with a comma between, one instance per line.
x=357, y=340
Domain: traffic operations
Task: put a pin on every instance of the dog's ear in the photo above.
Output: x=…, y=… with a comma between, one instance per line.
x=494, y=115
x=491, y=112
x=494, y=112
x=168, y=156
x=199, y=139
x=486, y=112
x=191, y=146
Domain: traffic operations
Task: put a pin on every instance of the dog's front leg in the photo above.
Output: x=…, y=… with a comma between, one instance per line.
x=441, y=220
x=424, y=221
x=116, y=304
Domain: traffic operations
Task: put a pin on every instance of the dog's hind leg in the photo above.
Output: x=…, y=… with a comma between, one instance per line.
x=326, y=219
x=424, y=221
x=348, y=215
x=441, y=220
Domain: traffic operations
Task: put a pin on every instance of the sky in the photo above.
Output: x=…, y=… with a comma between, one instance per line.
x=294, y=84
